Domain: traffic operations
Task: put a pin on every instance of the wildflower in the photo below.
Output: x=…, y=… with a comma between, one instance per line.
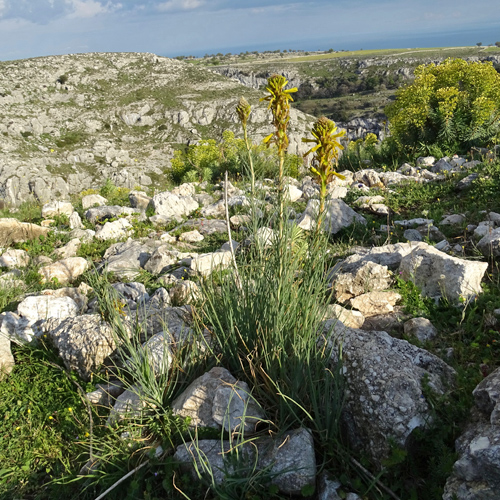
x=87, y=434
x=18, y=428
x=29, y=411
x=70, y=409
x=51, y=418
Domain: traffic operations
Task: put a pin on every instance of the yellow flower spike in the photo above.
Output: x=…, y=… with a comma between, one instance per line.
x=243, y=110
x=326, y=149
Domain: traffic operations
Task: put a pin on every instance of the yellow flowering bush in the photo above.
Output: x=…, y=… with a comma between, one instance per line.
x=453, y=105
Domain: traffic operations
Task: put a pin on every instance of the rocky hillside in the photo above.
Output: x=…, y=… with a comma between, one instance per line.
x=68, y=122
x=350, y=88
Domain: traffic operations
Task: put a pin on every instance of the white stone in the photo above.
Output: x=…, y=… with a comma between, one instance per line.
x=64, y=271
x=57, y=208
x=46, y=307
x=92, y=200
x=13, y=258
x=115, y=230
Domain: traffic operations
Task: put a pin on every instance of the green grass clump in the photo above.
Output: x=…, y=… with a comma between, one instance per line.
x=44, y=424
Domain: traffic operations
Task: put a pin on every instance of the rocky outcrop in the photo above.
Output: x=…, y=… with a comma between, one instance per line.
x=384, y=396
x=61, y=139
x=476, y=473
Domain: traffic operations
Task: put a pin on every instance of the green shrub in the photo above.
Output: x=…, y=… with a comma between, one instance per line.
x=208, y=160
x=455, y=105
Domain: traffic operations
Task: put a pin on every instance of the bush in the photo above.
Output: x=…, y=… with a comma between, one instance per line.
x=454, y=105
x=208, y=160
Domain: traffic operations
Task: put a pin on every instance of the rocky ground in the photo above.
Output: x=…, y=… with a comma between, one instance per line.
x=178, y=238
x=68, y=122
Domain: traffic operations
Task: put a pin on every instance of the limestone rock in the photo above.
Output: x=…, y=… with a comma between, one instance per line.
x=366, y=277
x=43, y=307
x=374, y=303
x=64, y=271
x=352, y=319
x=487, y=397
x=191, y=237
x=13, y=258
x=438, y=274
x=6, y=357
x=83, y=342
x=184, y=292
x=421, y=328
x=196, y=401
x=162, y=258
x=105, y=394
x=127, y=258
x=205, y=264
x=291, y=459
x=103, y=213
x=139, y=199
x=337, y=216
x=476, y=474
x=383, y=377
x=115, y=230
x=129, y=404
x=234, y=407
x=92, y=200
x=490, y=243
x=57, y=208
x=16, y=328
x=13, y=231
x=69, y=250
x=213, y=457
x=172, y=205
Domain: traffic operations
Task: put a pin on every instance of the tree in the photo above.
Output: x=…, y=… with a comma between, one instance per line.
x=479, y=44
x=497, y=44
x=453, y=105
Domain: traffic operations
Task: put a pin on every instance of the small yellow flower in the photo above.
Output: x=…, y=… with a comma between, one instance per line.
x=87, y=434
x=51, y=150
x=18, y=428
x=70, y=409
x=29, y=411
x=51, y=418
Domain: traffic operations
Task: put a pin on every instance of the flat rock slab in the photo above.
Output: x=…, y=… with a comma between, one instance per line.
x=13, y=231
x=375, y=303
x=441, y=275
x=43, y=307
x=172, y=205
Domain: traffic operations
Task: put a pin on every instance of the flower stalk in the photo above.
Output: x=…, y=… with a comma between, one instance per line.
x=279, y=104
x=326, y=151
x=243, y=111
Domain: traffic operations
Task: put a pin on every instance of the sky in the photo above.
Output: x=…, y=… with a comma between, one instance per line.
x=31, y=28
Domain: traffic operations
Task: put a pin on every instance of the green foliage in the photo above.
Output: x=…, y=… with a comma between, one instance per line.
x=412, y=300
x=43, y=426
x=260, y=340
x=455, y=105
x=115, y=195
x=209, y=159
x=71, y=138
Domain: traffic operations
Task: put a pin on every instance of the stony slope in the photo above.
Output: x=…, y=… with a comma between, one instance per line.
x=68, y=122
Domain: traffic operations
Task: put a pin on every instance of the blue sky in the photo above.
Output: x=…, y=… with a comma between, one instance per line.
x=30, y=28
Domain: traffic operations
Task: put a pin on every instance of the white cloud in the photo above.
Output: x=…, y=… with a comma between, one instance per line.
x=91, y=8
x=3, y=6
x=180, y=5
